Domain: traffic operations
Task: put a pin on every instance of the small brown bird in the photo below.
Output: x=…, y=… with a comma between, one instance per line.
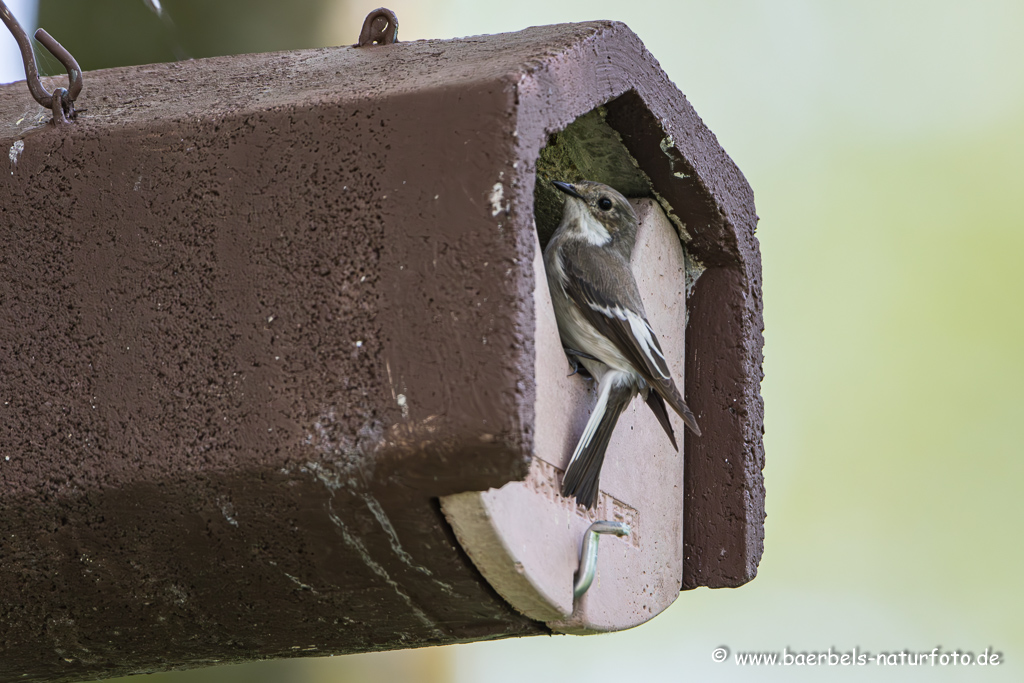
x=603, y=325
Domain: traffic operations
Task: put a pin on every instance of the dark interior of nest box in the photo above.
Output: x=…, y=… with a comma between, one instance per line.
x=588, y=149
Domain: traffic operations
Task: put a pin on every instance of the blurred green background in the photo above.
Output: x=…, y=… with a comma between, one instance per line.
x=885, y=145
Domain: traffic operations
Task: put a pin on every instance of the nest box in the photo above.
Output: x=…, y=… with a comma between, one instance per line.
x=280, y=374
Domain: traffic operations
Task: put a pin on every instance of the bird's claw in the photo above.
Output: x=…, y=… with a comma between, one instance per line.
x=574, y=362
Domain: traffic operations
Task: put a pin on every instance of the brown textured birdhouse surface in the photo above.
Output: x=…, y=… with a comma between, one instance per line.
x=258, y=313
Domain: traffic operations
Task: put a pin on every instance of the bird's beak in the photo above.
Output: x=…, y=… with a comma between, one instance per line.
x=567, y=188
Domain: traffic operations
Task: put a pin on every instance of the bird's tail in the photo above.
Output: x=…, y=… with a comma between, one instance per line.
x=584, y=470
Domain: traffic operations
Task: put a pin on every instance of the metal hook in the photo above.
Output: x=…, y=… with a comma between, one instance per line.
x=379, y=28
x=588, y=554
x=60, y=101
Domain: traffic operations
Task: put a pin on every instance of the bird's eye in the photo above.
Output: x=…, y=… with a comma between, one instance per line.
x=604, y=203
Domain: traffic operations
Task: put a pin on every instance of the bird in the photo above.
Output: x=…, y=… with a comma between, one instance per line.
x=603, y=325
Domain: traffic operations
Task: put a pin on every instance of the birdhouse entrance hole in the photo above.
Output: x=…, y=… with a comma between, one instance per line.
x=589, y=148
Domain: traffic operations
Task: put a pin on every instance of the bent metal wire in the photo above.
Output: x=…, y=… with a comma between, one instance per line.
x=588, y=554
x=62, y=100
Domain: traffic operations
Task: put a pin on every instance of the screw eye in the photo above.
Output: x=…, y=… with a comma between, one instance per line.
x=604, y=203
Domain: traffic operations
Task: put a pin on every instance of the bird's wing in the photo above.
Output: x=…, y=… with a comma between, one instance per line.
x=613, y=306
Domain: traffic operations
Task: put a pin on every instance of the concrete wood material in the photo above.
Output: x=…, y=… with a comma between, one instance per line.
x=525, y=538
x=259, y=313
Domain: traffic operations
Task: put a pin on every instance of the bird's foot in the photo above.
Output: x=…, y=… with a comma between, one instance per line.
x=578, y=368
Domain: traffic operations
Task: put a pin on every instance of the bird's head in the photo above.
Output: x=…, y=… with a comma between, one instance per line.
x=604, y=214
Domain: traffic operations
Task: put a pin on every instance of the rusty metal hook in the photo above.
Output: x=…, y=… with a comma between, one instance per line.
x=379, y=28
x=61, y=101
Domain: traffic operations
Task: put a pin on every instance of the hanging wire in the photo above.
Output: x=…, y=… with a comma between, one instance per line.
x=61, y=101
x=156, y=8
